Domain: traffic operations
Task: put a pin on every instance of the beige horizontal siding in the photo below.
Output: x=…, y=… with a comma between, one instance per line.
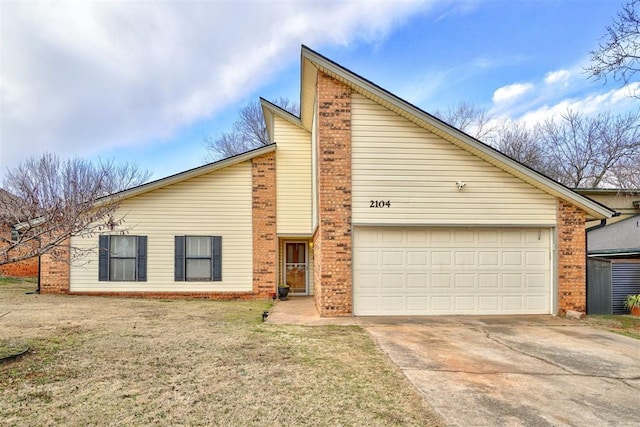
x=397, y=161
x=216, y=204
x=293, y=178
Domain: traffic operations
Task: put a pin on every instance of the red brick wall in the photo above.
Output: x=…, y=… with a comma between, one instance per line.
x=572, y=264
x=26, y=268
x=55, y=271
x=265, y=245
x=332, y=245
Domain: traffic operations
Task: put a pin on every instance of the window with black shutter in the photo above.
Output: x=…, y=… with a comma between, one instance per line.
x=198, y=258
x=122, y=258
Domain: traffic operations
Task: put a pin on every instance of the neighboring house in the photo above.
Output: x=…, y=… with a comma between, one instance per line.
x=366, y=202
x=26, y=268
x=625, y=202
x=613, y=248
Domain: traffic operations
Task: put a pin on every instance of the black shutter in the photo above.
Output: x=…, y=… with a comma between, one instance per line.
x=217, y=258
x=179, y=263
x=103, y=258
x=141, y=268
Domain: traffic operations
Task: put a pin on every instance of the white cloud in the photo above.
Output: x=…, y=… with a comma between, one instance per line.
x=510, y=92
x=558, y=76
x=84, y=77
x=616, y=101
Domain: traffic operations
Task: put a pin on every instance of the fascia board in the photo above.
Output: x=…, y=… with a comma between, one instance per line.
x=269, y=110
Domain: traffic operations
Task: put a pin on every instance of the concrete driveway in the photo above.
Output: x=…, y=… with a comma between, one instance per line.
x=512, y=371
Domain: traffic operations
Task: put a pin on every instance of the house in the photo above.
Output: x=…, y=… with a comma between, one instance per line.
x=613, y=248
x=366, y=202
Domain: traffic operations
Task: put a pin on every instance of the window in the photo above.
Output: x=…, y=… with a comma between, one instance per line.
x=198, y=258
x=122, y=258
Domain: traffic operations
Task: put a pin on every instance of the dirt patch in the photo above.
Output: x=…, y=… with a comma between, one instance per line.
x=109, y=361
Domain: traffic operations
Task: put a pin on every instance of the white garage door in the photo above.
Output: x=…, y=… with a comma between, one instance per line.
x=403, y=271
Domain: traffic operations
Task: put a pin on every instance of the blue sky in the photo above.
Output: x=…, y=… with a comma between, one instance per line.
x=148, y=81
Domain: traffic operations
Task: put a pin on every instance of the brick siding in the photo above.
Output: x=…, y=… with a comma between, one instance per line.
x=333, y=240
x=55, y=271
x=265, y=245
x=572, y=264
x=25, y=268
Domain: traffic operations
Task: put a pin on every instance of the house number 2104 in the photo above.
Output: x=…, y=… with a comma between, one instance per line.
x=380, y=203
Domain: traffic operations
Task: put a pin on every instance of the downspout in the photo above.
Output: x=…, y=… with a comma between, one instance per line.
x=39, y=272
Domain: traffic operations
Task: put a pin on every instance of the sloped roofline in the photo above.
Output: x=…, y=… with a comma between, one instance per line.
x=271, y=110
x=312, y=62
x=188, y=174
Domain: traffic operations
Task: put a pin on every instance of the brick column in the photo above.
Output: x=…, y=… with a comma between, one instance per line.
x=265, y=246
x=332, y=244
x=572, y=263
x=55, y=270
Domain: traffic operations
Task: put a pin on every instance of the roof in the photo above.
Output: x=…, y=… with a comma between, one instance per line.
x=313, y=62
x=271, y=110
x=188, y=174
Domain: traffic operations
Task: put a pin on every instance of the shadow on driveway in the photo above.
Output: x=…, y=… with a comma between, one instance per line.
x=515, y=370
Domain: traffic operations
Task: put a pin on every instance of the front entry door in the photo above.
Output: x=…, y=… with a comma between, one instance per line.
x=295, y=267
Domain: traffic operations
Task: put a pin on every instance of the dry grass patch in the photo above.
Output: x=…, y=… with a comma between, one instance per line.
x=621, y=324
x=108, y=361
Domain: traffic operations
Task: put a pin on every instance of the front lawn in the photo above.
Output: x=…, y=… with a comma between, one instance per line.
x=110, y=361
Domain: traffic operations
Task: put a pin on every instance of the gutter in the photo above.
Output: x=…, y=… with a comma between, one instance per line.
x=603, y=222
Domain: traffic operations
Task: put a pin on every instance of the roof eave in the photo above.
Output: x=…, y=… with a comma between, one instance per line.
x=183, y=176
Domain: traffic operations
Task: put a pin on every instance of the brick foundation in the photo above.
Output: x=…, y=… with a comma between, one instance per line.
x=333, y=239
x=265, y=244
x=572, y=264
x=215, y=296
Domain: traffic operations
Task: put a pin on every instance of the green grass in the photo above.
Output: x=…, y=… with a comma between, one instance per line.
x=17, y=280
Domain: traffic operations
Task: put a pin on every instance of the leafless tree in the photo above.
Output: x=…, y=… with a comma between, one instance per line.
x=471, y=119
x=597, y=151
x=576, y=150
x=619, y=54
x=248, y=131
x=519, y=142
x=47, y=200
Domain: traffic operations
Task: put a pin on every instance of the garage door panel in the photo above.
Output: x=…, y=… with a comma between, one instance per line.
x=393, y=281
x=464, y=281
x=417, y=281
x=488, y=303
x=424, y=271
x=417, y=303
x=464, y=303
x=391, y=258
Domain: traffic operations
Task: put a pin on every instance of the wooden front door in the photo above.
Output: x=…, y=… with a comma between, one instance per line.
x=295, y=267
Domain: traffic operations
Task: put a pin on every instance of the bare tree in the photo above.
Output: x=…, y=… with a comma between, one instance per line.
x=619, y=54
x=46, y=201
x=591, y=151
x=578, y=151
x=248, y=131
x=519, y=142
x=471, y=119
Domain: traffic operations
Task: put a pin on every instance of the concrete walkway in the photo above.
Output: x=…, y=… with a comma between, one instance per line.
x=302, y=311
